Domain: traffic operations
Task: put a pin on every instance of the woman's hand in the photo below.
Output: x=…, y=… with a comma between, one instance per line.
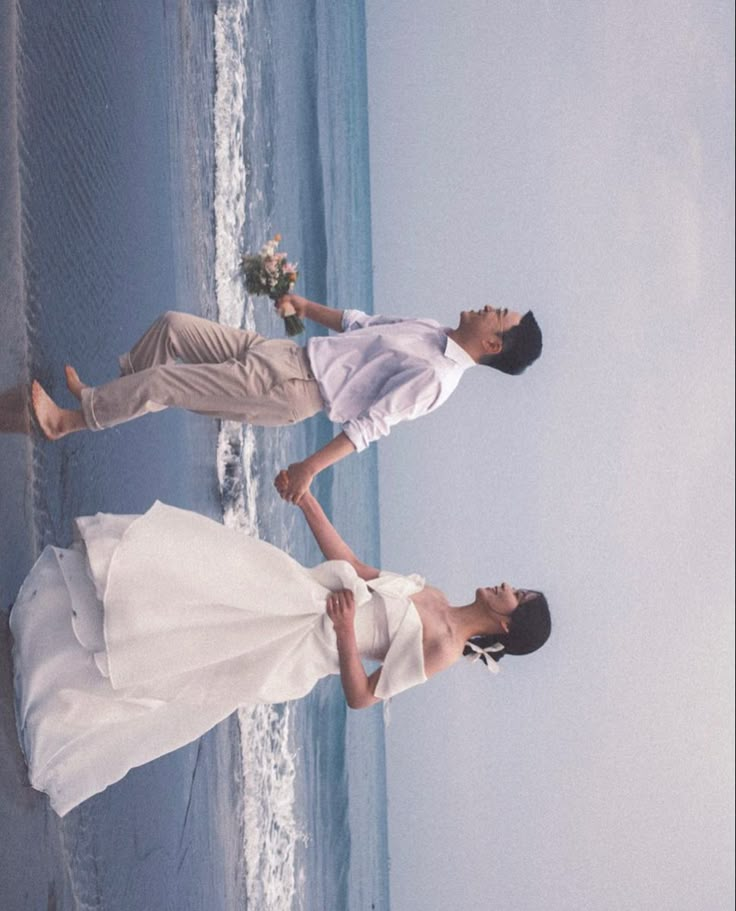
x=341, y=610
x=359, y=689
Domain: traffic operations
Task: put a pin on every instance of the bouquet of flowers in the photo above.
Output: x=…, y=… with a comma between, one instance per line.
x=270, y=273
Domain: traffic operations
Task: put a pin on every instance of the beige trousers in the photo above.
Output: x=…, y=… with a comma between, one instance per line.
x=184, y=361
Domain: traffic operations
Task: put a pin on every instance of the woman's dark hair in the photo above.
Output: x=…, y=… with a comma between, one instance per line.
x=529, y=629
x=522, y=345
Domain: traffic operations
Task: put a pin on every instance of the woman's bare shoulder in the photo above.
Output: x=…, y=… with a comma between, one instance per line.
x=430, y=598
x=439, y=640
x=440, y=654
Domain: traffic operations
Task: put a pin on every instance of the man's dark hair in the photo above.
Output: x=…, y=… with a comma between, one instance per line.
x=522, y=345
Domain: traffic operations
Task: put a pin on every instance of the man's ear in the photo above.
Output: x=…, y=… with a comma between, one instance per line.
x=492, y=345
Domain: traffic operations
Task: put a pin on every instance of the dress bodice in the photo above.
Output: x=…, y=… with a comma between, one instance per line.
x=387, y=625
x=390, y=630
x=371, y=629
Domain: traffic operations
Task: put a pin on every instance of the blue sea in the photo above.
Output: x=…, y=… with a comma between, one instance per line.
x=144, y=144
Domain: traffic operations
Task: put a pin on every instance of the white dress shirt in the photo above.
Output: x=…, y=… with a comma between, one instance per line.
x=382, y=370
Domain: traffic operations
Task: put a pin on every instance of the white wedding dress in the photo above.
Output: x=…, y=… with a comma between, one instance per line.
x=154, y=628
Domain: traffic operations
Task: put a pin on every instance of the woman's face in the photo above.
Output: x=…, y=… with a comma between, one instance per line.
x=502, y=600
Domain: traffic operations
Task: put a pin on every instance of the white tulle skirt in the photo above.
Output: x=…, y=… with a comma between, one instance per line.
x=154, y=628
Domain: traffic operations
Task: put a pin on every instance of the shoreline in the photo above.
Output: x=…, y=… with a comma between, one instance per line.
x=84, y=267
x=101, y=264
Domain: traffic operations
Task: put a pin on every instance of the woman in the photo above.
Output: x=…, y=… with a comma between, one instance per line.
x=154, y=628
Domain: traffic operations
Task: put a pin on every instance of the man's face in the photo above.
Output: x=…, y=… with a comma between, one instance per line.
x=489, y=324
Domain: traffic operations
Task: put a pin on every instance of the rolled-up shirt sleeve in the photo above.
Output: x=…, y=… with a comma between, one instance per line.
x=357, y=319
x=412, y=394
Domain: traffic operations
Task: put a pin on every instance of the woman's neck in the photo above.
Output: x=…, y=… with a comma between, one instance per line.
x=474, y=620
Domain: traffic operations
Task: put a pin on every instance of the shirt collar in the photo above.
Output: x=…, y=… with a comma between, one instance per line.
x=458, y=355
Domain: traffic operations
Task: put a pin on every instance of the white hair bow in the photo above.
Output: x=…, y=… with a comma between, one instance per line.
x=486, y=653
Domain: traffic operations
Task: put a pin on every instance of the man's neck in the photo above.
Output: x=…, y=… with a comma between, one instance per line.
x=469, y=346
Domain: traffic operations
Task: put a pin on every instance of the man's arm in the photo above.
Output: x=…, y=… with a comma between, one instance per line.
x=420, y=392
x=329, y=317
x=300, y=474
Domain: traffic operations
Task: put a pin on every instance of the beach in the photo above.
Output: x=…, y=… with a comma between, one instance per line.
x=144, y=146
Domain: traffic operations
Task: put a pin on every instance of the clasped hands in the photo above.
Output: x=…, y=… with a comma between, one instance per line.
x=293, y=482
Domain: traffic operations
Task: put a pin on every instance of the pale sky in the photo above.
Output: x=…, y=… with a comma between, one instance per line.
x=575, y=159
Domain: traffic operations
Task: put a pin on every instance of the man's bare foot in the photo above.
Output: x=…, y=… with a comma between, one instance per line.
x=73, y=383
x=54, y=422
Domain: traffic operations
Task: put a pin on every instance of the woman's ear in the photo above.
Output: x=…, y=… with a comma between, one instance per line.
x=505, y=626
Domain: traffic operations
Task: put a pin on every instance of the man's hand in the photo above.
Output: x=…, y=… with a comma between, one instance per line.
x=294, y=482
x=281, y=483
x=341, y=610
x=298, y=304
x=306, y=309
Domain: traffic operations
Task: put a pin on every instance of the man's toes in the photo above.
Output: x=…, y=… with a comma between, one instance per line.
x=74, y=384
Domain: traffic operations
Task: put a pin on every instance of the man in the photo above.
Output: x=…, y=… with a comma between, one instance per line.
x=376, y=372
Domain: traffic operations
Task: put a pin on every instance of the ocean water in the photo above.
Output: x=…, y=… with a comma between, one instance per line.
x=144, y=146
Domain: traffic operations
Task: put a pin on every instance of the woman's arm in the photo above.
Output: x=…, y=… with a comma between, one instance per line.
x=327, y=537
x=358, y=687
